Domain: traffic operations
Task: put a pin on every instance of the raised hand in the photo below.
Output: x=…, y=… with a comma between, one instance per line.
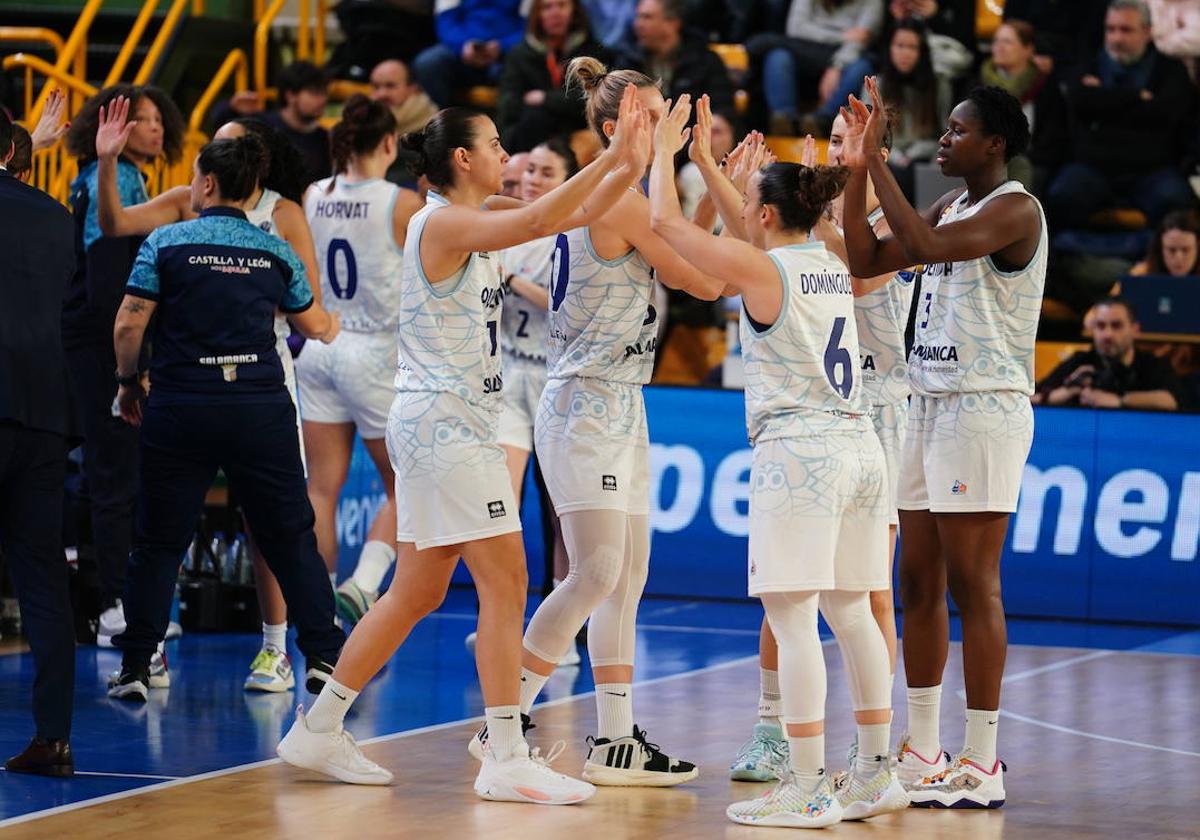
x=877, y=118
x=749, y=161
x=700, y=150
x=114, y=128
x=630, y=144
x=672, y=132
x=808, y=157
x=51, y=127
x=853, y=149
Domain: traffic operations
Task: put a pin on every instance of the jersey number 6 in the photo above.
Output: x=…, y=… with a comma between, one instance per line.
x=836, y=357
x=347, y=291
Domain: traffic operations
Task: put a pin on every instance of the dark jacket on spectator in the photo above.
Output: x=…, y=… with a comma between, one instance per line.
x=1147, y=373
x=526, y=68
x=697, y=71
x=479, y=20
x=1065, y=30
x=1115, y=130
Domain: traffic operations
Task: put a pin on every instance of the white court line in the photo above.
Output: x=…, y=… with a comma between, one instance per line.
x=216, y=774
x=672, y=628
x=124, y=775
x=1067, y=663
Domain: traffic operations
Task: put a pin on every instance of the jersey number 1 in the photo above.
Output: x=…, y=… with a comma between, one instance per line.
x=347, y=291
x=836, y=357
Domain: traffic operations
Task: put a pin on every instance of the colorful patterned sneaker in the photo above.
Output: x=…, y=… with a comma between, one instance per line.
x=964, y=784
x=764, y=758
x=634, y=762
x=352, y=601
x=787, y=805
x=912, y=767
x=271, y=670
x=332, y=753
x=479, y=739
x=525, y=776
x=863, y=797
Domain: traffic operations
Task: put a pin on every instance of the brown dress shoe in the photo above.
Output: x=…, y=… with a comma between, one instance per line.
x=44, y=757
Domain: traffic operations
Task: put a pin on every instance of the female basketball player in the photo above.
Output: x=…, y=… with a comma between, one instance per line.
x=453, y=494
x=971, y=424
x=593, y=446
x=275, y=208
x=817, y=471
x=359, y=222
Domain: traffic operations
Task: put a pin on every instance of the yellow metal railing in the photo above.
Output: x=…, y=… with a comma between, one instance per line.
x=169, y=24
x=73, y=54
x=52, y=72
x=262, y=36
x=134, y=38
x=33, y=33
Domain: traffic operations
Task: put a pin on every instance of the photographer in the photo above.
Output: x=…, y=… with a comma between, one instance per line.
x=1113, y=374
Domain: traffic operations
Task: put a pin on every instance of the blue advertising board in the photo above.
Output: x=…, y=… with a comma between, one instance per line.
x=1107, y=527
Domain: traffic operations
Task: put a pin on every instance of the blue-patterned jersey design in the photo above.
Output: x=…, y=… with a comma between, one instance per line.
x=218, y=280
x=975, y=324
x=131, y=187
x=802, y=372
x=603, y=323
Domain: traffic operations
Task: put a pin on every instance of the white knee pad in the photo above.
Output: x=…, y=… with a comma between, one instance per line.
x=793, y=620
x=612, y=633
x=595, y=543
x=863, y=648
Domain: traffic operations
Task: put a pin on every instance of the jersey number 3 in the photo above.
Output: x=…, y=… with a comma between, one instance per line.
x=344, y=292
x=837, y=357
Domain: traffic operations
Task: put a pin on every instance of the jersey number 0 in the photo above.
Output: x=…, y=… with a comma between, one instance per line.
x=344, y=292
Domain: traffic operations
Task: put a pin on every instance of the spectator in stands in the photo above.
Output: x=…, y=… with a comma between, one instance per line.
x=1114, y=373
x=1066, y=30
x=920, y=99
x=1012, y=66
x=474, y=37
x=302, y=96
x=611, y=20
x=819, y=54
x=392, y=84
x=103, y=263
x=510, y=177
x=35, y=424
x=679, y=58
x=1177, y=30
x=1132, y=112
x=533, y=104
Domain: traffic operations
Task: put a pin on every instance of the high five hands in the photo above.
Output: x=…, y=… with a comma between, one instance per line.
x=672, y=131
x=864, y=128
x=630, y=142
x=112, y=132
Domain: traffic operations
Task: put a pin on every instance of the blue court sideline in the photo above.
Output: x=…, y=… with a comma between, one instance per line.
x=205, y=722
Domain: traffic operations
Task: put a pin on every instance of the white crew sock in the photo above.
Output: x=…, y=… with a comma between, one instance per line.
x=807, y=758
x=614, y=710
x=504, y=730
x=770, y=701
x=330, y=707
x=981, y=735
x=924, y=711
x=275, y=635
x=376, y=558
x=872, y=744
x=531, y=687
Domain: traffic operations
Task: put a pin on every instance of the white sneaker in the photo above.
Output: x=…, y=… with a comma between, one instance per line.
x=112, y=622
x=634, y=762
x=863, y=797
x=787, y=805
x=159, y=677
x=525, y=776
x=478, y=743
x=271, y=670
x=174, y=630
x=912, y=767
x=332, y=753
x=966, y=783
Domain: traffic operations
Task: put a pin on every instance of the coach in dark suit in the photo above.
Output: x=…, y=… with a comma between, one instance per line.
x=37, y=244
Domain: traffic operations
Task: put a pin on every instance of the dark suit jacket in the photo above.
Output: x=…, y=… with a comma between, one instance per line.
x=698, y=71
x=37, y=245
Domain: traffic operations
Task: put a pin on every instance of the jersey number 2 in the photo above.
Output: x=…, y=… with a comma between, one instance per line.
x=345, y=292
x=836, y=357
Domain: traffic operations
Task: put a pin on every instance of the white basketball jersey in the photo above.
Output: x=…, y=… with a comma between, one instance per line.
x=357, y=254
x=881, y=317
x=262, y=216
x=975, y=324
x=602, y=320
x=524, y=325
x=449, y=333
x=802, y=372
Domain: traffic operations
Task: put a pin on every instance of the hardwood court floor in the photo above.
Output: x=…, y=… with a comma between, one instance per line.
x=1100, y=744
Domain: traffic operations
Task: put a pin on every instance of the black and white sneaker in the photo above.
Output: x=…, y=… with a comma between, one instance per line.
x=130, y=685
x=318, y=673
x=634, y=762
x=479, y=739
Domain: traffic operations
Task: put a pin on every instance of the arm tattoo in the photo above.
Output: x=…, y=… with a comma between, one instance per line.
x=135, y=307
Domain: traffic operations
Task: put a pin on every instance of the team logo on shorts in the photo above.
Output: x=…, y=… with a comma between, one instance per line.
x=608, y=482
x=496, y=509
x=959, y=489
